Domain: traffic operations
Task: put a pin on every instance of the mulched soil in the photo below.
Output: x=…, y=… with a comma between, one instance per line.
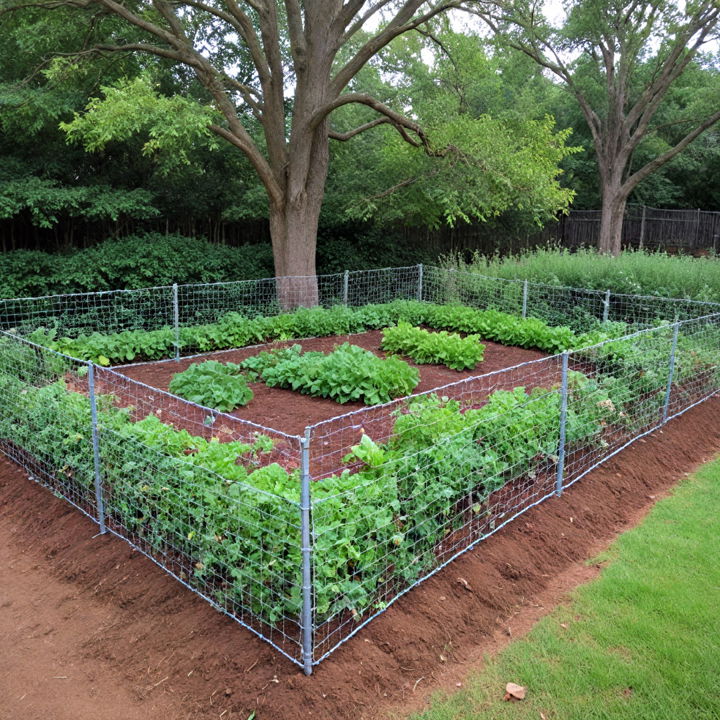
x=290, y=411
x=125, y=637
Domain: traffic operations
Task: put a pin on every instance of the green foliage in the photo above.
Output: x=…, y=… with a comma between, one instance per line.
x=130, y=106
x=633, y=272
x=140, y=261
x=443, y=348
x=347, y=374
x=215, y=385
x=46, y=200
x=501, y=327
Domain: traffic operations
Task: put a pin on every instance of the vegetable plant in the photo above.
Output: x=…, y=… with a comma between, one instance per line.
x=347, y=374
x=443, y=348
x=216, y=385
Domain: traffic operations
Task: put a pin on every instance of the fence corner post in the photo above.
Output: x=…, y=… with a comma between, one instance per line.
x=606, y=306
x=176, y=320
x=306, y=549
x=563, y=422
x=671, y=372
x=420, y=269
x=99, y=502
x=346, y=286
x=524, y=298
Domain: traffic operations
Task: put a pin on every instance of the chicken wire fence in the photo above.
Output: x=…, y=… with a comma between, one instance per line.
x=305, y=539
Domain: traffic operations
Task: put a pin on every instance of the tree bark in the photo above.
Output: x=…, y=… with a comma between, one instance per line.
x=294, y=224
x=614, y=201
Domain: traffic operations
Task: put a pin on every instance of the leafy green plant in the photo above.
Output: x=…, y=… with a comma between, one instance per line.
x=349, y=373
x=444, y=348
x=216, y=385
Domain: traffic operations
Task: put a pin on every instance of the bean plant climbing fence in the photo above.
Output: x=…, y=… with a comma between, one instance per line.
x=304, y=539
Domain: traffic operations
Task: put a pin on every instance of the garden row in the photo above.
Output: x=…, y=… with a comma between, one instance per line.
x=235, y=330
x=348, y=373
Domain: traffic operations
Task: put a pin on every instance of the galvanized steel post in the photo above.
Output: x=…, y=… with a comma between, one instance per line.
x=563, y=422
x=176, y=321
x=525, y=298
x=420, y=282
x=671, y=372
x=606, y=306
x=346, y=284
x=99, y=503
x=306, y=549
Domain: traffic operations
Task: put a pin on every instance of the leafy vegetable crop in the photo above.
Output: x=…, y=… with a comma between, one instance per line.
x=220, y=386
x=349, y=373
x=443, y=348
x=235, y=330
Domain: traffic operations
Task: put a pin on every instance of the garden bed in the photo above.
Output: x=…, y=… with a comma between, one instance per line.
x=291, y=412
x=309, y=517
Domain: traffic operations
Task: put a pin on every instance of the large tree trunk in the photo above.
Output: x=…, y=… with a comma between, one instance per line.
x=293, y=230
x=294, y=225
x=611, y=219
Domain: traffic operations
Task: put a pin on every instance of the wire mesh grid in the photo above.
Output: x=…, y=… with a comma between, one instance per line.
x=430, y=475
x=111, y=311
x=43, y=428
x=398, y=490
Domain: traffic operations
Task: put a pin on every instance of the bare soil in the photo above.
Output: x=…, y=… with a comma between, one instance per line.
x=91, y=629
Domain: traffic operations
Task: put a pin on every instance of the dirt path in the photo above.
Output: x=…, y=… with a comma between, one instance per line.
x=90, y=629
x=45, y=624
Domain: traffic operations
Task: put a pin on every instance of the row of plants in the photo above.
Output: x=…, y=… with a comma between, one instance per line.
x=235, y=330
x=440, y=348
x=347, y=374
x=635, y=272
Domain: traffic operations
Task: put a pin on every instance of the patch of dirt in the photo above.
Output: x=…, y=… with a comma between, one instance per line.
x=136, y=643
x=291, y=412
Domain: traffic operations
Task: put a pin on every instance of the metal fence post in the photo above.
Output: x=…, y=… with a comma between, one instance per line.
x=176, y=321
x=671, y=372
x=306, y=549
x=346, y=285
x=606, y=306
x=563, y=423
x=99, y=502
x=420, y=282
x=525, y=298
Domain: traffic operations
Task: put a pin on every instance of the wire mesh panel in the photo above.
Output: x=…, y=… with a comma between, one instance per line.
x=696, y=372
x=479, y=291
x=379, y=286
x=107, y=312
x=618, y=388
x=211, y=498
x=45, y=427
x=420, y=480
x=234, y=538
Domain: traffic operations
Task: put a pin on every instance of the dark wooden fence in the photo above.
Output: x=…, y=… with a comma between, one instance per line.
x=692, y=231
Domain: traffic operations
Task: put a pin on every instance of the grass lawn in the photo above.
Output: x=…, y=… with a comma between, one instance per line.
x=642, y=641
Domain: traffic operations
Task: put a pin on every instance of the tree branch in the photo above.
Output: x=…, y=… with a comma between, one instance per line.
x=668, y=155
x=344, y=136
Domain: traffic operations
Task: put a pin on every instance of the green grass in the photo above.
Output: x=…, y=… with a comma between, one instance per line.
x=642, y=642
x=635, y=272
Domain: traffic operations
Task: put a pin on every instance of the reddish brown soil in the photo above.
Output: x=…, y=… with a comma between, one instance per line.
x=292, y=412
x=90, y=629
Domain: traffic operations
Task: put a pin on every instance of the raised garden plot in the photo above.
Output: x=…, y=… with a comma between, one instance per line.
x=303, y=518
